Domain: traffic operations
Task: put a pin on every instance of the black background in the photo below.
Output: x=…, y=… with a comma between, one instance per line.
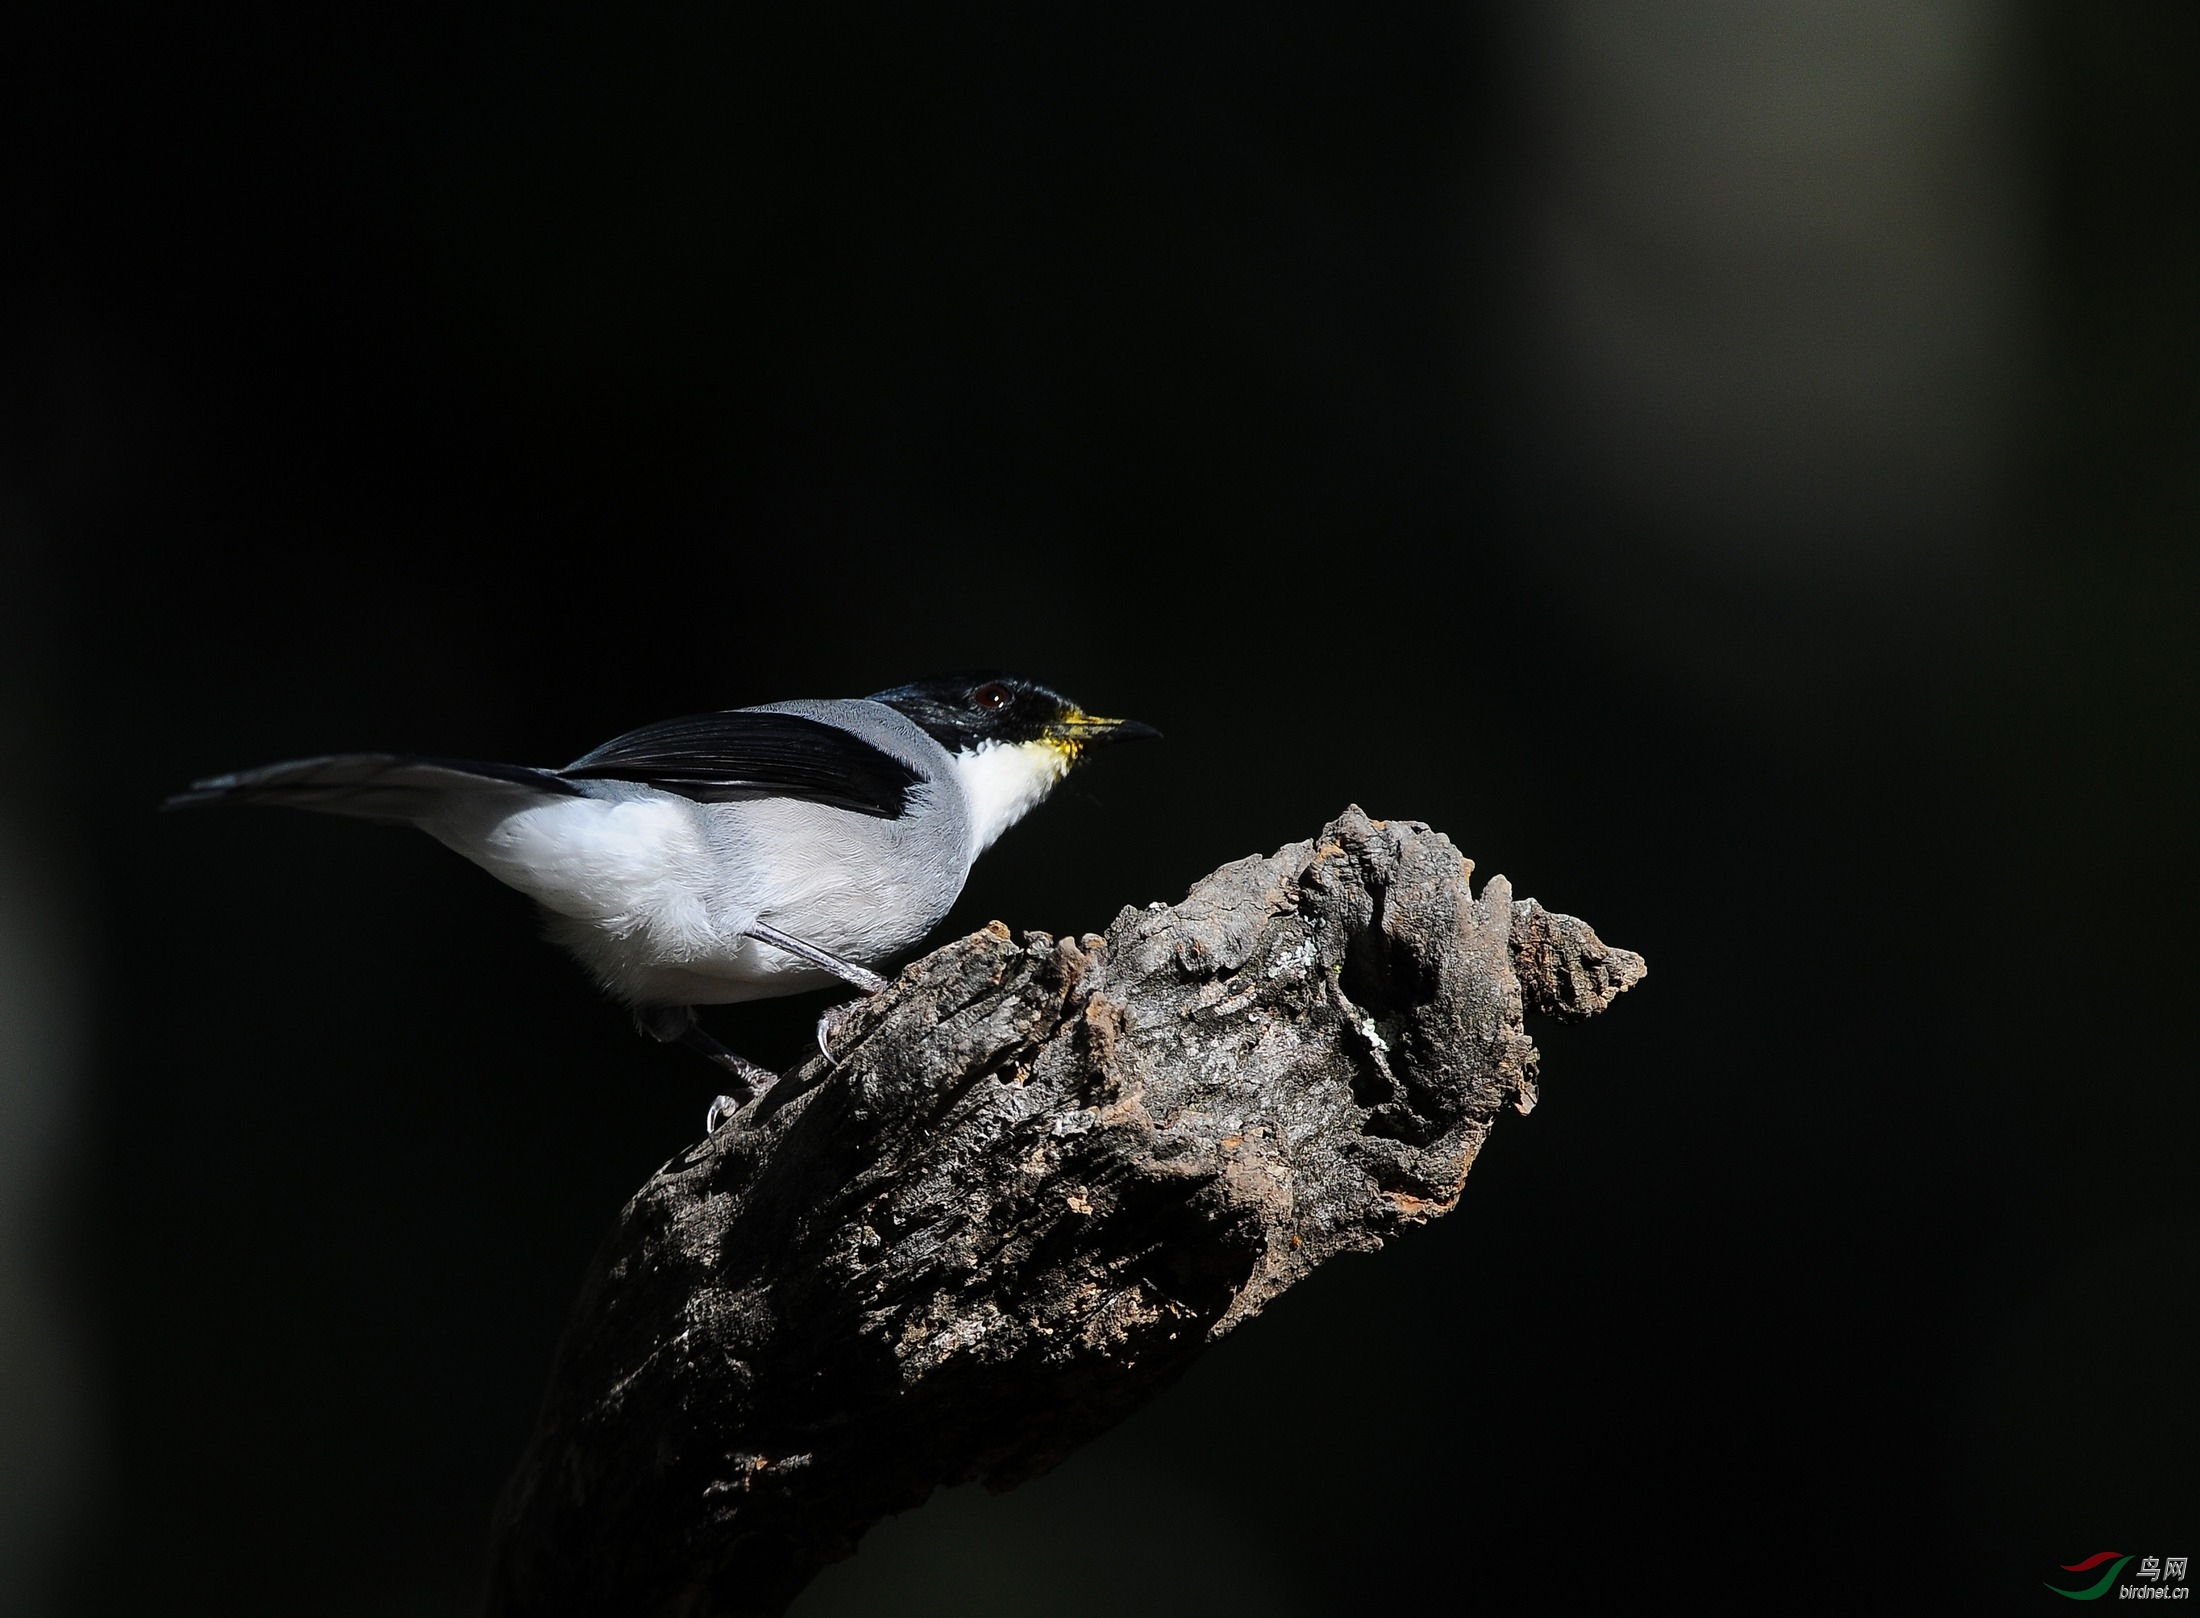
x=484, y=380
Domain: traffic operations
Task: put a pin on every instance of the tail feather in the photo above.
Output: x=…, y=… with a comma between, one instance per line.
x=369, y=786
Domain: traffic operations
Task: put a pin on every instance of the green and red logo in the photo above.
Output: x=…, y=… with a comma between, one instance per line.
x=2156, y=1578
x=2095, y=1591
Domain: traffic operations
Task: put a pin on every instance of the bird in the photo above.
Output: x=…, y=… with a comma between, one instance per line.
x=736, y=855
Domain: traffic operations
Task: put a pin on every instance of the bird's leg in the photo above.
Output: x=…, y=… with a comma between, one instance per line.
x=824, y=959
x=862, y=977
x=676, y=1025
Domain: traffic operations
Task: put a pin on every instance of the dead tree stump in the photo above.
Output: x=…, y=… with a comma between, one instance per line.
x=1043, y=1175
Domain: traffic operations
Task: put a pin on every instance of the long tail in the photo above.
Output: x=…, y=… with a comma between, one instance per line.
x=371, y=786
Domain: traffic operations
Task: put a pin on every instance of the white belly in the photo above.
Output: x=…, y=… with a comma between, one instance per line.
x=655, y=893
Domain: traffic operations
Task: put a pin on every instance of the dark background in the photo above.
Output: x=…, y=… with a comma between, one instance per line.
x=1734, y=469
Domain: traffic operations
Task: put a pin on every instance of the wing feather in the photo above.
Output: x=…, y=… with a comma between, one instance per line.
x=743, y=753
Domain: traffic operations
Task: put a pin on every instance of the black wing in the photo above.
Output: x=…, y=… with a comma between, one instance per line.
x=714, y=757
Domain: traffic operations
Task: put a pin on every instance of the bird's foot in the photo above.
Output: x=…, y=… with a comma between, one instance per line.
x=750, y=1081
x=828, y=1024
x=677, y=1025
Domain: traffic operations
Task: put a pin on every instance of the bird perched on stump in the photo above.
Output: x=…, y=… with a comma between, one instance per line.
x=737, y=855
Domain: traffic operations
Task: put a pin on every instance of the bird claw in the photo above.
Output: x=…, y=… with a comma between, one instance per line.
x=828, y=1024
x=753, y=1082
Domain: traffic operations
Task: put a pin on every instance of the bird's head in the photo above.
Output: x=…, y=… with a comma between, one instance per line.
x=1012, y=738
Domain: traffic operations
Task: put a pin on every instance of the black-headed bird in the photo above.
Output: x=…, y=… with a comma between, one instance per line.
x=737, y=855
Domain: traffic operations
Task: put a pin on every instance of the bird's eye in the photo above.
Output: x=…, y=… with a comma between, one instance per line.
x=992, y=698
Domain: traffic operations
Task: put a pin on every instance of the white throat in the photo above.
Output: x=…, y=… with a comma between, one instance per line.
x=1003, y=782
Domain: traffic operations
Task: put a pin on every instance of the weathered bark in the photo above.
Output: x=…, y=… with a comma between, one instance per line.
x=1042, y=1177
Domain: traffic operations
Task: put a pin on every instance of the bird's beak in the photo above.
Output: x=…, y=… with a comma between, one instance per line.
x=1080, y=731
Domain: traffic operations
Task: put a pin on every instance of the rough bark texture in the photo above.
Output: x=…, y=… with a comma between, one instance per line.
x=1042, y=1177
